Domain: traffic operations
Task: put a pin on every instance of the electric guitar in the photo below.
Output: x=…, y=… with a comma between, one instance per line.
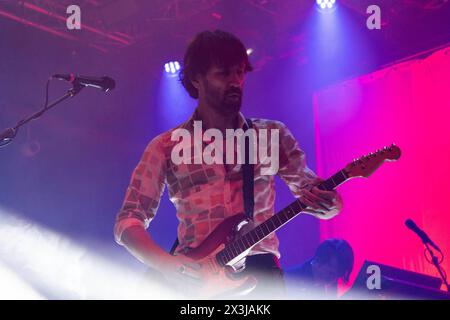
x=218, y=256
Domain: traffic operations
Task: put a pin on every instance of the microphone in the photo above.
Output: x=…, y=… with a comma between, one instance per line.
x=104, y=83
x=422, y=235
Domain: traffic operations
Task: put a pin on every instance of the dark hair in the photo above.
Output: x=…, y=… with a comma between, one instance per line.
x=208, y=48
x=343, y=252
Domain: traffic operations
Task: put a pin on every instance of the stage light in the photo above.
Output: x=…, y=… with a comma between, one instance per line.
x=325, y=4
x=249, y=51
x=172, y=67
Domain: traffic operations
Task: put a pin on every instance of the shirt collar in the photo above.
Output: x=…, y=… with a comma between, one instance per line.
x=189, y=124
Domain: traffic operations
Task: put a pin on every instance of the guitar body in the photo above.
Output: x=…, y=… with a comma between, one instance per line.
x=216, y=280
x=223, y=234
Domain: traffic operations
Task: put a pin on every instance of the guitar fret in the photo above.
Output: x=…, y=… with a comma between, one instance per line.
x=257, y=234
x=286, y=212
x=301, y=206
x=244, y=244
x=285, y=216
x=273, y=223
x=230, y=252
x=251, y=236
x=267, y=230
x=295, y=206
x=288, y=215
x=344, y=177
x=247, y=243
x=236, y=248
x=253, y=239
x=292, y=212
x=241, y=246
x=224, y=259
x=226, y=254
x=260, y=232
x=279, y=220
x=267, y=227
x=264, y=234
x=250, y=241
x=332, y=180
x=233, y=254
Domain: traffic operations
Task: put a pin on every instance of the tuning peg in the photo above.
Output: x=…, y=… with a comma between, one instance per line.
x=391, y=146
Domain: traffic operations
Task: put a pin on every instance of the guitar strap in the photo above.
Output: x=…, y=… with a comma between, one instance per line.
x=247, y=183
x=248, y=178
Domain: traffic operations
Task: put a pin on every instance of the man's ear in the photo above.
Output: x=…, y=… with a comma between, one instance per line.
x=196, y=82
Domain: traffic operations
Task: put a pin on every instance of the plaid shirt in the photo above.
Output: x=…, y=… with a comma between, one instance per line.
x=204, y=195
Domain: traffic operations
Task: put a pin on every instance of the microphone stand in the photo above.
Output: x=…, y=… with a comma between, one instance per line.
x=9, y=134
x=435, y=261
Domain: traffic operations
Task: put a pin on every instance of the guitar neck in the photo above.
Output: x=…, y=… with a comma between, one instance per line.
x=253, y=237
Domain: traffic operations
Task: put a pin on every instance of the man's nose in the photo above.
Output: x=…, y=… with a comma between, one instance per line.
x=235, y=87
x=236, y=79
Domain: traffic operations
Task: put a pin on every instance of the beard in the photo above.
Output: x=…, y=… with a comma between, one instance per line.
x=228, y=103
x=232, y=103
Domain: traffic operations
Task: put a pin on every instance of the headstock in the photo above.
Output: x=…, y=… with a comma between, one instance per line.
x=366, y=165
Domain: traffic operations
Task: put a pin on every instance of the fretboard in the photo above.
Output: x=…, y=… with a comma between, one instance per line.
x=251, y=238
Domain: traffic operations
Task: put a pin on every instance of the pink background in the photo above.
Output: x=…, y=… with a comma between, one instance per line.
x=409, y=104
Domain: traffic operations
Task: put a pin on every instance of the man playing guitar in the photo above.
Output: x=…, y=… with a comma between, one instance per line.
x=204, y=194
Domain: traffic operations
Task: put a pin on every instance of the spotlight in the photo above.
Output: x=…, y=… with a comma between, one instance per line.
x=172, y=67
x=325, y=5
x=249, y=51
